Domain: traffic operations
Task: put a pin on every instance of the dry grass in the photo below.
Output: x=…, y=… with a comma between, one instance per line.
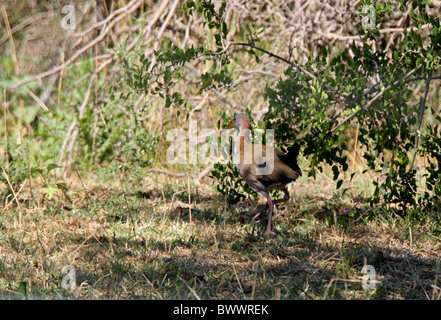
x=143, y=243
x=130, y=240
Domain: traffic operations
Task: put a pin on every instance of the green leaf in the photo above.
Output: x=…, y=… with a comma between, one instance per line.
x=37, y=170
x=62, y=186
x=52, y=166
x=49, y=190
x=22, y=290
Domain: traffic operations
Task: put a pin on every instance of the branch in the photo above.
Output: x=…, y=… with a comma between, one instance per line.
x=374, y=88
x=10, y=186
x=197, y=176
x=252, y=45
x=102, y=22
x=24, y=24
x=82, y=50
x=273, y=55
x=170, y=173
x=421, y=78
x=338, y=37
x=367, y=106
x=420, y=118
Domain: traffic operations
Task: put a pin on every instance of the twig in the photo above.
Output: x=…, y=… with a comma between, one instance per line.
x=164, y=25
x=10, y=185
x=191, y=289
x=15, y=196
x=197, y=176
x=421, y=78
x=187, y=31
x=238, y=281
x=77, y=54
x=262, y=72
x=367, y=106
x=73, y=129
x=420, y=118
x=169, y=173
x=80, y=116
x=24, y=24
x=330, y=35
x=150, y=283
x=37, y=99
x=252, y=45
x=153, y=21
x=399, y=24
x=103, y=22
x=204, y=172
x=68, y=135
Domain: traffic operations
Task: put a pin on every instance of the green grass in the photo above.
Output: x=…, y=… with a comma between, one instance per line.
x=144, y=244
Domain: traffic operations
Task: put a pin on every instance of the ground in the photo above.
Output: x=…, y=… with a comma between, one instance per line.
x=148, y=242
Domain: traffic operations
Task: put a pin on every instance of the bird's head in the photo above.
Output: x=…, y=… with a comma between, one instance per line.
x=240, y=121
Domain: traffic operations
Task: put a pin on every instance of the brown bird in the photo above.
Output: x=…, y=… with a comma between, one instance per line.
x=251, y=166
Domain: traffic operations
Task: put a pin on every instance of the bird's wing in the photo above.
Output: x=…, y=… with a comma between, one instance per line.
x=252, y=172
x=281, y=173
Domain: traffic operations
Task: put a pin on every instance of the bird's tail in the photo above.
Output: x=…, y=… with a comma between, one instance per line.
x=290, y=159
x=293, y=152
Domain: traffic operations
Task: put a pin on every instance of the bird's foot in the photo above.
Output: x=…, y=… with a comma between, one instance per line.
x=270, y=233
x=254, y=218
x=256, y=215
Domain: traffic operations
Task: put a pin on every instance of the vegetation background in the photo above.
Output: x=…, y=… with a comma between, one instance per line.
x=83, y=124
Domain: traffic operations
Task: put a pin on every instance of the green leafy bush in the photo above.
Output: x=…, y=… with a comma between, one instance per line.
x=317, y=103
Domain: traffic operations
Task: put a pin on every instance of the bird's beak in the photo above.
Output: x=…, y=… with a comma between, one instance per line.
x=230, y=125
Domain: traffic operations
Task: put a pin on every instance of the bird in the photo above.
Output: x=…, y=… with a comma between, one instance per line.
x=284, y=170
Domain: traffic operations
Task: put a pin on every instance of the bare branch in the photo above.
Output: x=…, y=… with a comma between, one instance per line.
x=382, y=31
x=132, y=7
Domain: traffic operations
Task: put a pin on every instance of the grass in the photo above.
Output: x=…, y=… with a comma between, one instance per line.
x=150, y=242
x=144, y=236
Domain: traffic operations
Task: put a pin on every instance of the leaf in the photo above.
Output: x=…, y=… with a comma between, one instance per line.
x=52, y=166
x=339, y=183
x=36, y=170
x=335, y=171
x=62, y=186
x=22, y=290
x=49, y=190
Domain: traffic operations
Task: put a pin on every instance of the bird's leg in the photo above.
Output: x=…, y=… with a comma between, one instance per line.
x=265, y=207
x=285, y=197
x=269, y=232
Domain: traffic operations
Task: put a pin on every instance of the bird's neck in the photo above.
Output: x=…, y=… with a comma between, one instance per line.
x=242, y=139
x=240, y=146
